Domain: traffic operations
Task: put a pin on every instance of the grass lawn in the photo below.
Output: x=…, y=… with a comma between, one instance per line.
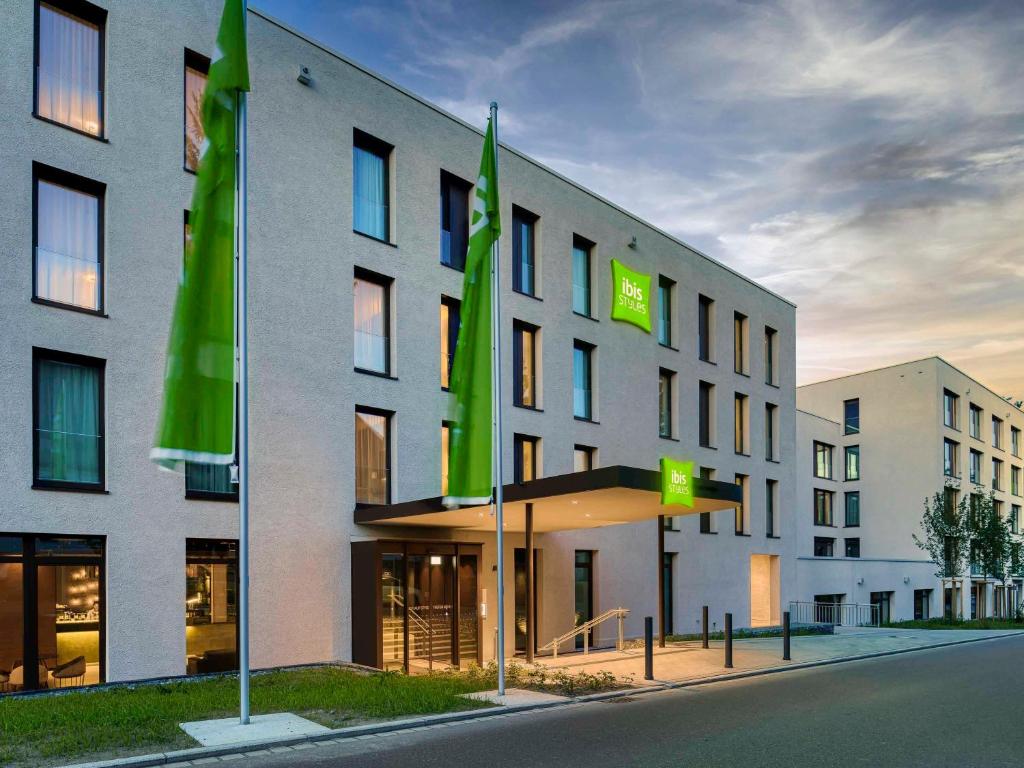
x=960, y=624
x=77, y=726
x=746, y=634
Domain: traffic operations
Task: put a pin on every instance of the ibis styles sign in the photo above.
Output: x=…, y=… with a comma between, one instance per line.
x=676, y=482
x=631, y=296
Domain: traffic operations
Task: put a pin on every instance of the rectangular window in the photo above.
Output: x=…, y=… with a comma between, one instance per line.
x=705, y=414
x=975, y=467
x=197, y=68
x=666, y=379
x=997, y=475
x=371, y=322
x=210, y=481
x=705, y=328
x=69, y=64
x=1015, y=518
x=824, y=547
x=446, y=436
x=741, y=418
x=852, y=547
x=1015, y=481
x=851, y=454
x=373, y=456
x=823, y=460
x=1015, y=441
x=851, y=417
x=582, y=251
x=666, y=288
x=951, y=458
x=823, y=507
x=582, y=391
x=950, y=409
x=997, y=433
x=68, y=421
x=370, y=186
x=67, y=239
x=524, y=257
x=740, y=518
x=852, y=511
x=454, y=220
x=524, y=364
x=706, y=520
x=975, y=421
x=771, y=491
x=582, y=458
x=770, y=355
x=450, y=321
x=740, y=333
x=771, y=431
x=211, y=606
x=525, y=464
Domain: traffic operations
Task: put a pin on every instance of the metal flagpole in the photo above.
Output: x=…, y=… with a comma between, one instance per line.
x=498, y=444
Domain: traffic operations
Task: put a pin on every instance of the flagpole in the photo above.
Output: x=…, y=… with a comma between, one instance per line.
x=498, y=444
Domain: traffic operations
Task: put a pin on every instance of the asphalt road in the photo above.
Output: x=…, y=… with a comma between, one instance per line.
x=958, y=706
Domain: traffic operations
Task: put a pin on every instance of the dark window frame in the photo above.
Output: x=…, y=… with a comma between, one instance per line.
x=824, y=546
x=200, y=63
x=848, y=427
x=666, y=289
x=388, y=416
x=370, y=143
x=589, y=451
x=517, y=455
x=954, y=399
x=588, y=349
x=454, y=310
x=387, y=283
x=216, y=559
x=770, y=507
x=521, y=215
x=740, y=343
x=518, y=328
x=846, y=509
x=670, y=376
x=828, y=520
x=851, y=547
x=849, y=450
x=831, y=461
x=456, y=254
x=586, y=246
x=705, y=414
x=705, y=328
x=771, y=336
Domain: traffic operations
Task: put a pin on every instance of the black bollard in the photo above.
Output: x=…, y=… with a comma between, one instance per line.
x=785, y=636
x=648, y=648
x=728, y=641
x=704, y=627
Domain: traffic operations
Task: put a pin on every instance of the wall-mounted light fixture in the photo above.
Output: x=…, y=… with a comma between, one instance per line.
x=632, y=243
x=305, y=76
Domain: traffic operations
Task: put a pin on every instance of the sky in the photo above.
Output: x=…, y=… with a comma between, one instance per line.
x=864, y=160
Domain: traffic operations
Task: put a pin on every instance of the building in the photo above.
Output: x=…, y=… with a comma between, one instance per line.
x=112, y=570
x=872, y=447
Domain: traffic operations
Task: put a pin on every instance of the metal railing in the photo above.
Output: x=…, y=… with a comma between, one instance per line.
x=584, y=629
x=836, y=614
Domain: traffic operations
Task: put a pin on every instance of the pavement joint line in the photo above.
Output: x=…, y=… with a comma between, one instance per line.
x=414, y=724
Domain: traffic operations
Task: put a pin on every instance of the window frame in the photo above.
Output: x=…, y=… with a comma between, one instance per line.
x=448, y=180
x=522, y=215
x=370, y=143
x=669, y=376
x=847, y=496
x=770, y=354
x=831, y=460
x=997, y=433
x=771, y=488
x=740, y=344
x=705, y=329
x=741, y=424
x=953, y=398
x=829, y=518
x=666, y=301
x=588, y=350
x=971, y=411
x=386, y=283
x=454, y=305
x=388, y=457
x=826, y=545
x=855, y=541
x=582, y=244
x=589, y=451
x=848, y=451
x=771, y=425
x=518, y=328
x=517, y=456
x=847, y=428
x=951, y=448
x=706, y=414
x=200, y=63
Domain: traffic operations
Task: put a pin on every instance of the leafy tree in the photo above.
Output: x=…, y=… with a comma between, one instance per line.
x=991, y=538
x=946, y=533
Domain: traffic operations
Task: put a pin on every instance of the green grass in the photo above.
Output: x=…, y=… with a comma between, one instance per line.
x=746, y=634
x=144, y=718
x=958, y=624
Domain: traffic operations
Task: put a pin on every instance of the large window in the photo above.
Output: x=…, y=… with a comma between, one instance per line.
x=211, y=606
x=69, y=64
x=824, y=547
x=741, y=421
x=997, y=475
x=525, y=458
x=582, y=376
x=851, y=417
x=446, y=447
x=740, y=515
x=771, y=493
x=666, y=381
x=705, y=414
x=951, y=458
x=771, y=431
x=197, y=68
x=823, y=506
x=851, y=454
x=740, y=343
x=582, y=458
x=997, y=433
x=524, y=257
x=582, y=252
x=450, y=320
x=1015, y=481
x=666, y=288
x=68, y=239
x=823, y=460
x=373, y=456
x=975, y=421
x=371, y=321
x=1015, y=518
x=370, y=186
x=68, y=421
x=950, y=409
x=454, y=220
x=1015, y=441
x=770, y=354
x=705, y=328
x=852, y=512
x=975, y=467
x=524, y=364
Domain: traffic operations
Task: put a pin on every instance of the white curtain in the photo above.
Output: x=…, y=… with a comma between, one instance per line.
x=67, y=253
x=69, y=70
x=371, y=458
x=369, y=322
x=370, y=211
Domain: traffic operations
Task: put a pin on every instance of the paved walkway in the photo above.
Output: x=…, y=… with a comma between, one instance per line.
x=688, y=661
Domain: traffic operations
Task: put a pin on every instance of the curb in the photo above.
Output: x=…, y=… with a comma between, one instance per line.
x=426, y=721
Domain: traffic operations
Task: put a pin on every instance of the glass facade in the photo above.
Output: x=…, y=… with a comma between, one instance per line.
x=211, y=606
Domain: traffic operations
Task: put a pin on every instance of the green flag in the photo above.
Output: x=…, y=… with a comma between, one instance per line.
x=198, y=418
x=470, y=456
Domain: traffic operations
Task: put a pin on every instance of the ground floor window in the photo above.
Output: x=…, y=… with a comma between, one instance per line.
x=520, y=582
x=211, y=606
x=922, y=599
x=884, y=602
x=51, y=611
x=583, y=581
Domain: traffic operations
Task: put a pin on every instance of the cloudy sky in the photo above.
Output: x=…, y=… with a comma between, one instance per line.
x=865, y=160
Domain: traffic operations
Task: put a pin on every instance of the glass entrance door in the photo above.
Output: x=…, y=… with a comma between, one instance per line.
x=431, y=610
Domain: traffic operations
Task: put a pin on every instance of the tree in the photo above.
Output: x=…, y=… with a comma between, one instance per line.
x=992, y=542
x=946, y=535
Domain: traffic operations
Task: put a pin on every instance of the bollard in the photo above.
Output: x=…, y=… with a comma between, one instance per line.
x=785, y=636
x=704, y=627
x=648, y=648
x=728, y=641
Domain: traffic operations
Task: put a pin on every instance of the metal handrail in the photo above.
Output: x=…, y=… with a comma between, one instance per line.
x=836, y=614
x=584, y=629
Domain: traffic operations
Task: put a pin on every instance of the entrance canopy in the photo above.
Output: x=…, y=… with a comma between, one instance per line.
x=592, y=499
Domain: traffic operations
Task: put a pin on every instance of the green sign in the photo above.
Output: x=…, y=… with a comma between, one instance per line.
x=676, y=482
x=631, y=296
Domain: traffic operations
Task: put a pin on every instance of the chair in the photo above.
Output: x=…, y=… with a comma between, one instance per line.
x=16, y=679
x=70, y=673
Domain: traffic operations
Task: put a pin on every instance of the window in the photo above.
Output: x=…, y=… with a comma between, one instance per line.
x=741, y=418
x=371, y=322
x=851, y=454
x=950, y=409
x=740, y=516
x=666, y=288
x=705, y=414
x=582, y=458
x=525, y=458
x=1015, y=441
x=770, y=353
x=771, y=431
x=951, y=458
x=822, y=507
x=705, y=328
x=666, y=379
x=524, y=364
x=69, y=64
x=823, y=460
x=1015, y=481
x=1015, y=518
x=446, y=437
x=524, y=257
x=852, y=512
x=975, y=467
x=370, y=186
x=975, y=423
x=197, y=68
x=581, y=269
x=922, y=598
x=741, y=363
x=852, y=547
x=211, y=606
x=997, y=433
x=997, y=475
x=210, y=481
x=68, y=421
x=373, y=456
x=824, y=547
x=582, y=395
x=771, y=491
x=454, y=220
x=706, y=520
x=450, y=320
x=851, y=417
x=67, y=240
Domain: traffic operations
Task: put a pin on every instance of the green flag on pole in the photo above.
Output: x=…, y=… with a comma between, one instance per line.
x=197, y=422
x=469, y=460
